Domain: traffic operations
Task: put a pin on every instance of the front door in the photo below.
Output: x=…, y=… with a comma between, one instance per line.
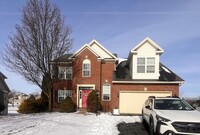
x=85, y=94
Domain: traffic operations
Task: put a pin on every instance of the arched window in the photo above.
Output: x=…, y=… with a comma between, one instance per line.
x=86, y=67
x=106, y=92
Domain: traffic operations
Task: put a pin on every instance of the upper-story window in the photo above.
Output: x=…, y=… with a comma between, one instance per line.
x=86, y=68
x=65, y=73
x=145, y=65
x=106, y=92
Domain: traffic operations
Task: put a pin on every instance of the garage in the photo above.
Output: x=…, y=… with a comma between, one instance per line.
x=131, y=102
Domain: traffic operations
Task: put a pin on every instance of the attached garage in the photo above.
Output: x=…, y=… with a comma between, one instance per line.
x=131, y=102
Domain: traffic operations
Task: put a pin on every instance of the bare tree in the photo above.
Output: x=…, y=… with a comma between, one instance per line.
x=41, y=37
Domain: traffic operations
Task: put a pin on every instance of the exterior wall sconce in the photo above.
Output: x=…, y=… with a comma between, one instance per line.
x=145, y=88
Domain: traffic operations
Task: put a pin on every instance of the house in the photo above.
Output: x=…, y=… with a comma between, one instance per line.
x=123, y=87
x=4, y=90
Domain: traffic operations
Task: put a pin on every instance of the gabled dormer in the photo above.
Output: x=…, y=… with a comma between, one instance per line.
x=144, y=60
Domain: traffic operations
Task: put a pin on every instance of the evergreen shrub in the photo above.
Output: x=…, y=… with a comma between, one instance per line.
x=67, y=105
x=32, y=105
x=93, y=102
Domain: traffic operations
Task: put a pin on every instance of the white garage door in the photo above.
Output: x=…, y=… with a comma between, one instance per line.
x=131, y=102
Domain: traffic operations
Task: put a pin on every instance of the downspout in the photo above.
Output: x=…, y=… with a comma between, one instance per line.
x=100, y=81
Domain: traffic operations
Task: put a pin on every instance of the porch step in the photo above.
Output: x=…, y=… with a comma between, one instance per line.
x=82, y=111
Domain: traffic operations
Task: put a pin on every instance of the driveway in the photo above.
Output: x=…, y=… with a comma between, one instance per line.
x=132, y=129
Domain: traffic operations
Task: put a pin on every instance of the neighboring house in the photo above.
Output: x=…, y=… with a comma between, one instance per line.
x=122, y=86
x=4, y=90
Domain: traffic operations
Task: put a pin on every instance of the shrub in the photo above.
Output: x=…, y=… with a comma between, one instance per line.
x=28, y=106
x=2, y=107
x=93, y=102
x=67, y=105
x=33, y=106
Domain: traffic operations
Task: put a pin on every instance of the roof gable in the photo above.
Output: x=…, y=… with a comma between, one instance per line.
x=96, y=48
x=3, y=86
x=157, y=48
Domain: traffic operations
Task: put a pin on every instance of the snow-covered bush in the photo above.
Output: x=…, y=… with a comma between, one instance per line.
x=67, y=105
x=93, y=102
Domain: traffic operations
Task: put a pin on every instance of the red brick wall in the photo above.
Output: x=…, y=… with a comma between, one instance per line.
x=101, y=72
x=107, y=72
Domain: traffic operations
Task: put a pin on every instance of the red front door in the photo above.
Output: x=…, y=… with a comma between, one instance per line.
x=85, y=94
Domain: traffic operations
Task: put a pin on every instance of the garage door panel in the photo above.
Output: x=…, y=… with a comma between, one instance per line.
x=132, y=102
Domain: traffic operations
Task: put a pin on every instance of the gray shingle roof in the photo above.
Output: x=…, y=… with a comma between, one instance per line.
x=122, y=73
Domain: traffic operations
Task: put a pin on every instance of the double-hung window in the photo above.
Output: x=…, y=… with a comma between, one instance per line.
x=61, y=72
x=86, y=68
x=69, y=73
x=106, y=92
x=151, y=65
x=145, y=65
x=141, y=65
x=62, y=94
x=65, y=73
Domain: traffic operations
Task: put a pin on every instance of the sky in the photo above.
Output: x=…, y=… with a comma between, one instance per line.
x=119, y=25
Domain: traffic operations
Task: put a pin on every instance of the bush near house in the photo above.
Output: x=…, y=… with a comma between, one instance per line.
x=67, y=105
x=2, y=107
x=93, y=102
x=31, y=105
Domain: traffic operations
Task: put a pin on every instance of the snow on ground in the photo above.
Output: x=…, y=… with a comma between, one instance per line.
x=62, y=123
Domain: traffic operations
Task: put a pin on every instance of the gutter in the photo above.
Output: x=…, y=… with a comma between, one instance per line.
x=150, y=82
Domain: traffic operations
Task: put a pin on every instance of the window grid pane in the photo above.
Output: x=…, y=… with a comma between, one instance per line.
x=141, y=61
x=150, y=61
x=141, y=69
x=150, y=69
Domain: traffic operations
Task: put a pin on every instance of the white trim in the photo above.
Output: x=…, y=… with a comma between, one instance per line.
x=151, y=82
x=103, y=92
x=77, y=91
x=102, y=47
x=89, y=46
x=82, y=49
x=159, y=50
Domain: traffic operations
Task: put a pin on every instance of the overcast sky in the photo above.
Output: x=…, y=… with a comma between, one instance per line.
x=119, y=25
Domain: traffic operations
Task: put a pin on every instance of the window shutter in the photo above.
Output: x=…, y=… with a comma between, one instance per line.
x=56, y=96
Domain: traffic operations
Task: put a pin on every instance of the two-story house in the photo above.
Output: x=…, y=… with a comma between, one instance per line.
x=122, y=86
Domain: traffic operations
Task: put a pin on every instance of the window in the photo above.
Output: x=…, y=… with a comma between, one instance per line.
x=69, y=73
x=106, y=92
x=62, y=94
x=150, y=65
x=65, y=73
x=141, y=65
x=86, y=68
x=145, y=65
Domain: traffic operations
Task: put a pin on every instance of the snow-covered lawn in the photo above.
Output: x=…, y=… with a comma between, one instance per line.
x=62, y=124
